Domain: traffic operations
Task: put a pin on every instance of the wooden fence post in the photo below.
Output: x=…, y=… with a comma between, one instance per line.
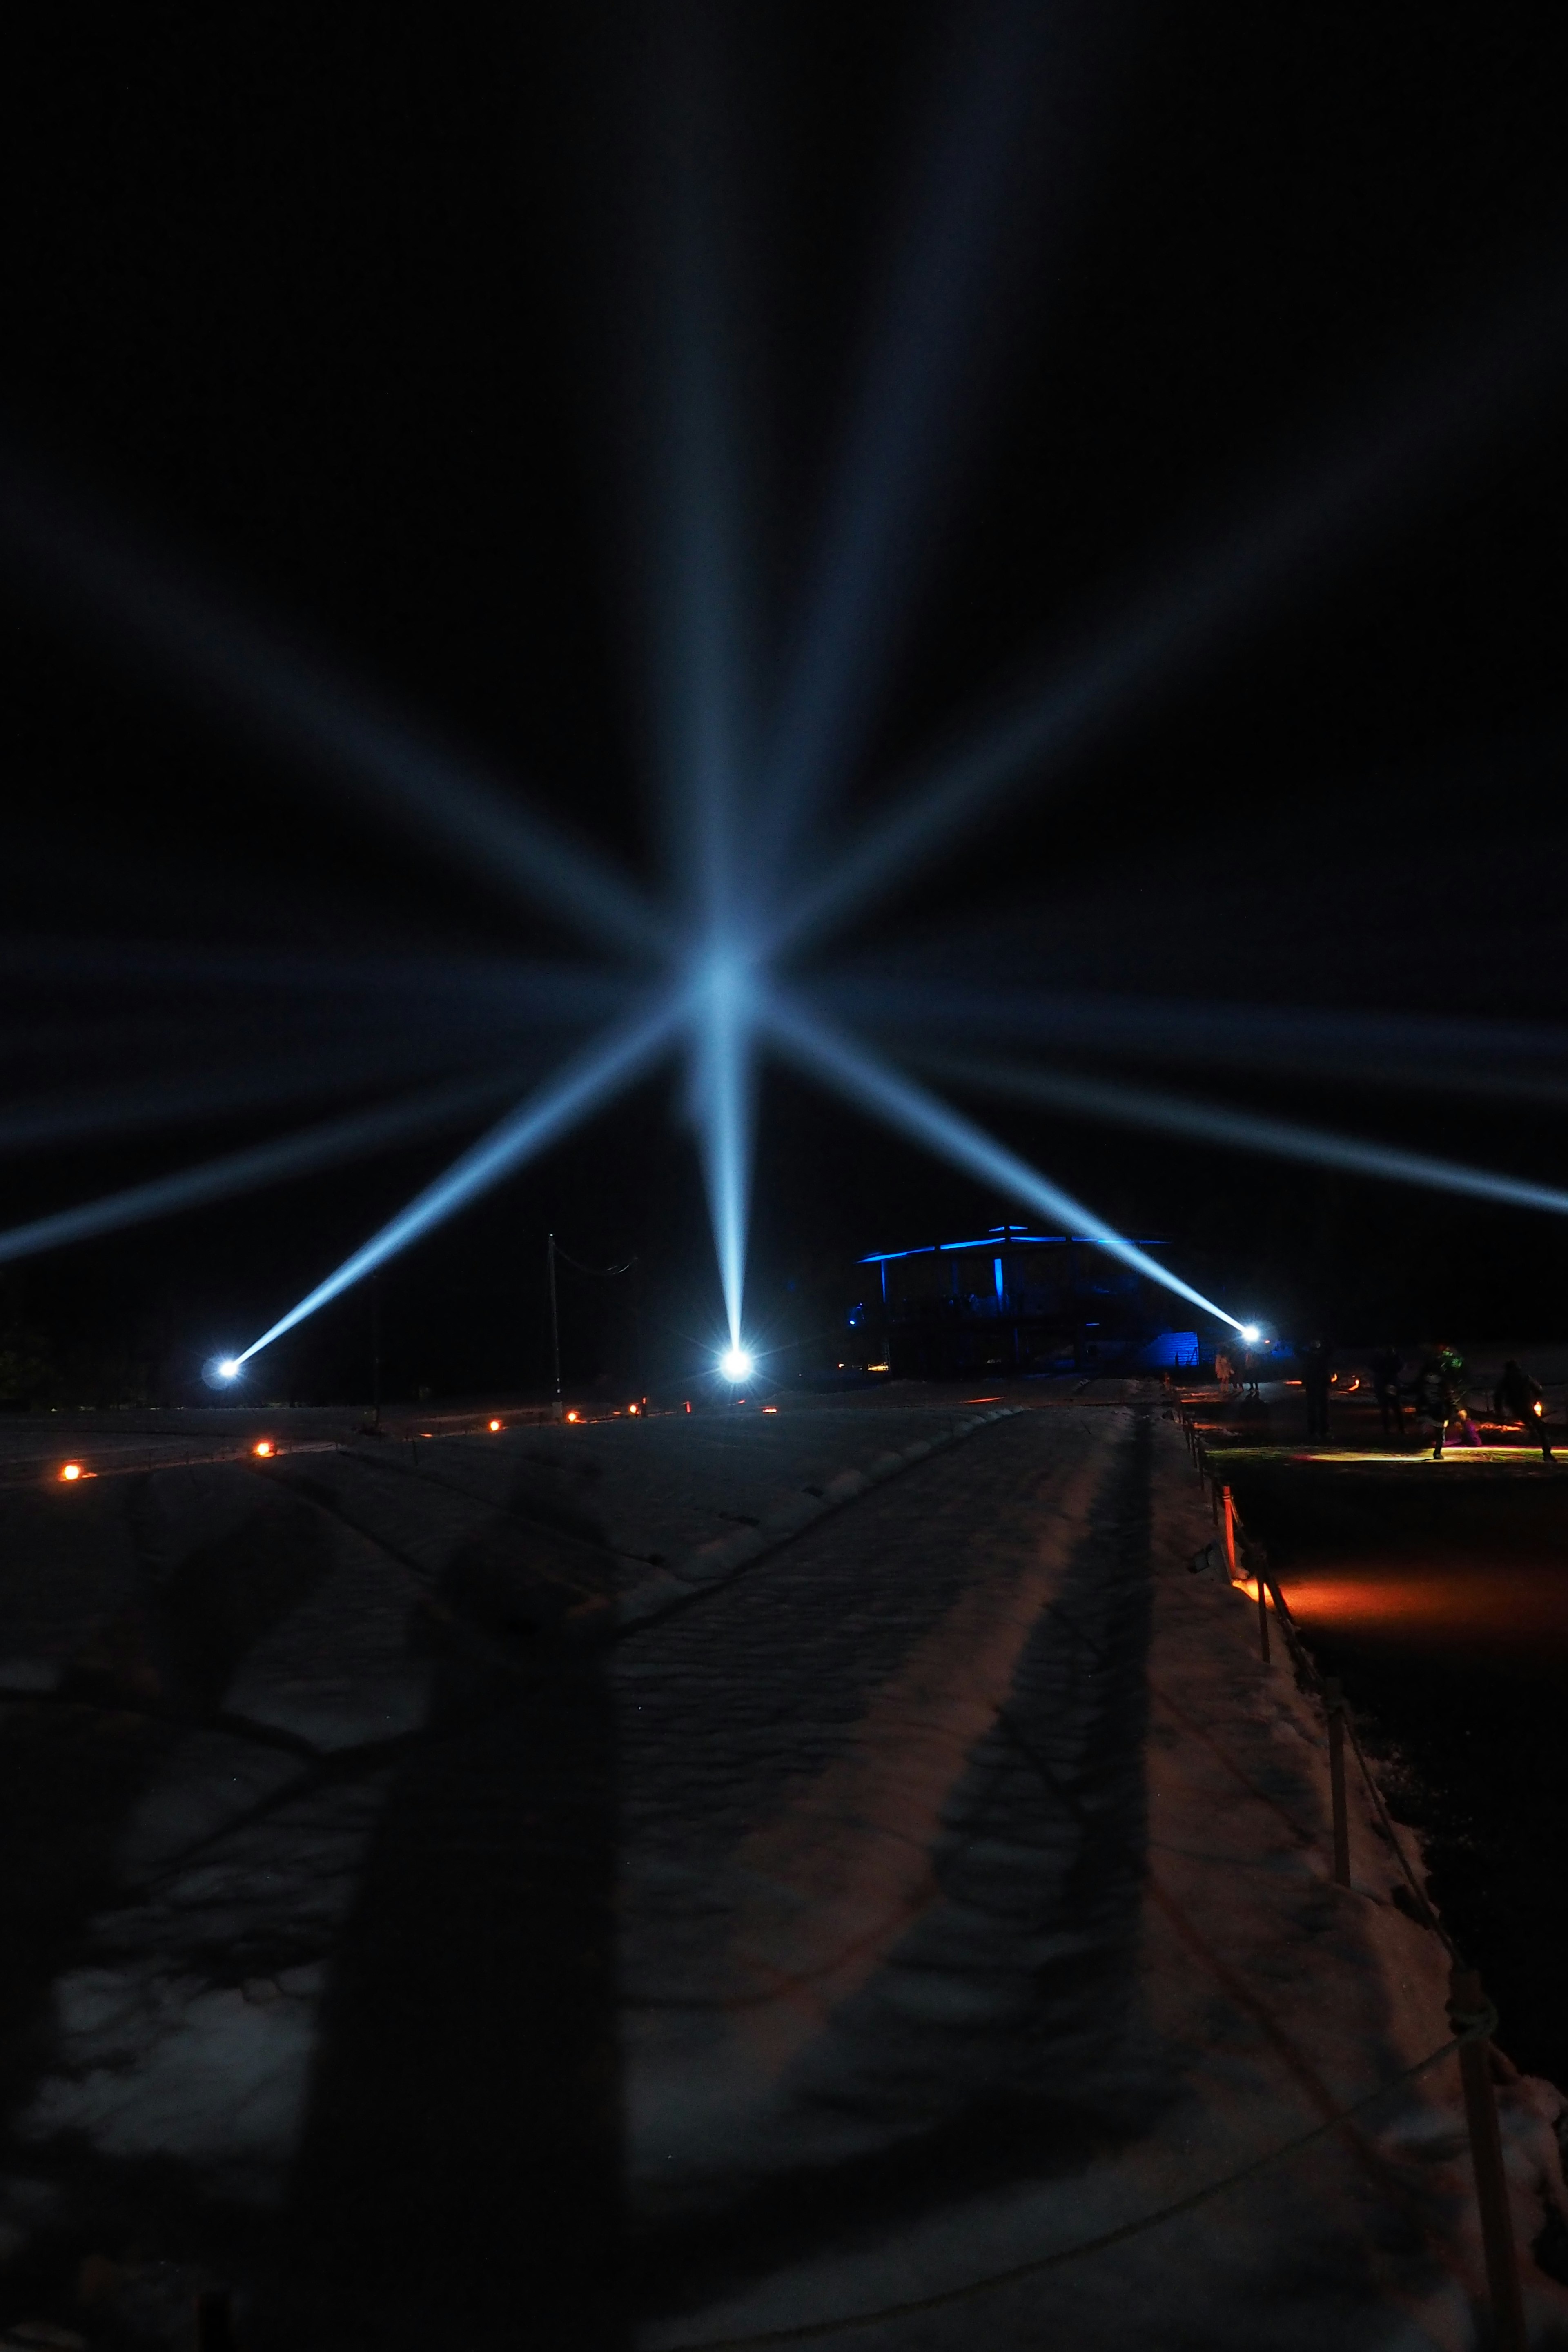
x=1465, y=2003
x=1333, y=1699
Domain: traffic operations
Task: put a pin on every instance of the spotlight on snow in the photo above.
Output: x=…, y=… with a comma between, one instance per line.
x=1252, y=1333
x=736, y=1364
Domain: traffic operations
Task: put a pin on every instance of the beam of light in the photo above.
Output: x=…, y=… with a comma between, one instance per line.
x=697, y=651
x=1013, y=62
x=578, y=990
x=328, y=1146
x=698, y=615
x=871, y=1085
x=701, y=639
x=1413, y=1051
x=724, y=1105
x=1246, y=1131
x=585, y=1083
x=1199, y=606
x=203, y=641
x=180, y=1098
x=737, y=1363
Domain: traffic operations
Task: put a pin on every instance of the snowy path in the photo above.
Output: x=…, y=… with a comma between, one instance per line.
x=391, y=1937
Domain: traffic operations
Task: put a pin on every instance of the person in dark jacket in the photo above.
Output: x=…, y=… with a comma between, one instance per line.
x=1387, y=1370
x=1440, y=1393
x=1317, y=1370
x=1517, y=1397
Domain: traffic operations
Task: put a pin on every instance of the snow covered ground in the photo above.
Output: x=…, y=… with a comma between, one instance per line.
x=519, y=1897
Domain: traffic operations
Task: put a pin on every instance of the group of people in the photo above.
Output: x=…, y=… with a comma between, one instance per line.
x=1438, y=1395
x=1237, y=1375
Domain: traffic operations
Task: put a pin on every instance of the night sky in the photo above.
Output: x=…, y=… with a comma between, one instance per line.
x=360, y=317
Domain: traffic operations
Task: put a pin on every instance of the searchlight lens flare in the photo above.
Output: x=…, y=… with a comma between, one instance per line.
x=1251, y=1333
x=219, y=1371
x=736, y=1364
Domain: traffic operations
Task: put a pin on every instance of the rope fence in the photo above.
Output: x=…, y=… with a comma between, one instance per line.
x=1469, y=2012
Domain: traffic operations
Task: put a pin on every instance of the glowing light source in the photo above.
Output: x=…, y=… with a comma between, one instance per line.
x=1251, y=1333
x=264, y=1449
x=495, y=1425
x=573, y=1416
x=736, y=1364
x=71, y=1471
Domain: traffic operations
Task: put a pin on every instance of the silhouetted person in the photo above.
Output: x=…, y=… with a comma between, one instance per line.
x=1440, y=1394
x=1387, y=1370
x=1517, y=1397
x=1249, y=1375
x=1317, y=1370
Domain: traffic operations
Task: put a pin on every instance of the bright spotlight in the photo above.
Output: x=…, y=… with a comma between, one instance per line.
x=219, y=1371
x=72, y=1473
x=1252, y=1333
x=736, y=1364
x=229, y=1368
x=264, y=1449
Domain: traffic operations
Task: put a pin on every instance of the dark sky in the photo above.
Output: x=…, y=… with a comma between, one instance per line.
x=360, y=314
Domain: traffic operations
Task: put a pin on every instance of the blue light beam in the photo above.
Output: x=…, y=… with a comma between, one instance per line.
x=724, y=1107
x=203, y=640
x=983, y=145
x=1417, y=1051
x=327, y=1146
x=1244, y=1130
x=1203, y=603
x=177, y=1099
x=871, y=1085
x=586, y=1082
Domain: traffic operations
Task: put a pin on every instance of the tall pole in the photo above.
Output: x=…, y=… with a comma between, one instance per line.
x=555, y=1326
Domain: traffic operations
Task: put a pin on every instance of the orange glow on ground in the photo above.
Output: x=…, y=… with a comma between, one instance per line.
x=71, y=1471
x=573, y=1416
x=995, y=1400
x=264, y=1447
x=1465, y=1605
x=495, y=1425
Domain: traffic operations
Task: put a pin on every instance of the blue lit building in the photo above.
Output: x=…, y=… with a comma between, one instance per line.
x=1013, y=1301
